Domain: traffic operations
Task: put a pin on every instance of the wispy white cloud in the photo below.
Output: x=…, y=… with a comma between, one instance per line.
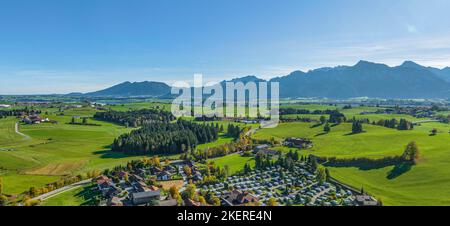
x=427, y=50
x=431, y=51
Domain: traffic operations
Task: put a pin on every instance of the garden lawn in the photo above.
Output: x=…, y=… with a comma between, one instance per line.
x=81, y=196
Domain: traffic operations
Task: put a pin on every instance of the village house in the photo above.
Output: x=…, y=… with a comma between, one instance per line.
x=34, y=119
x=238, y=198
x=122, y=175
x=142, y=198
x=366, y=200
x=170, y=169
x=261, y=147
x=268, y=152
x=164, y=175
x=198, y=176
x=102, y=182
x=115, y=201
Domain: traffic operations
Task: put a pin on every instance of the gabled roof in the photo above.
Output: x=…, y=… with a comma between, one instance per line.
x=146, y=194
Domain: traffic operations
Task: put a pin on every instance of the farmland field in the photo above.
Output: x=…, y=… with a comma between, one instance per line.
x=235, y=162
x=423, y=184
x=52, y=151
x=47, y=152
x=55, y=150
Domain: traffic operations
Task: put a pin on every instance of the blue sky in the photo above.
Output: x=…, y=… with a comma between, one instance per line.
x=54, y=46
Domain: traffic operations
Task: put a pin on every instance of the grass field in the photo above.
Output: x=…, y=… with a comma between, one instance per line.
x=235, y=162
x=139, y=106
x=81, y=196
x=424, y=184
x=223, y=139
x=54, y=150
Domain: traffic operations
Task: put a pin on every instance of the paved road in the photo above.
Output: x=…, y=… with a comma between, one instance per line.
x=16, y=128
x=314, y=198
x=250, y=132
x=61, y=190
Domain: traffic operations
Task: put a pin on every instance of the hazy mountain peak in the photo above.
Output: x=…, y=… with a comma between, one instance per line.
x=411, y=64
x=144, y=88
x=364, y=63
x=409, y=80
x=248, y=78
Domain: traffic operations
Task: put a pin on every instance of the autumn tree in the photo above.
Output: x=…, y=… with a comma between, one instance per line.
x=321, y=175
x=190, y=192
x=202, y=200
x=272, y=202
x=215, y=201
x=187, y=170
x=3, y=200
x=1, y=186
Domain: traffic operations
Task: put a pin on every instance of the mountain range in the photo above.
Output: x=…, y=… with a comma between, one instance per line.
x=365, y=79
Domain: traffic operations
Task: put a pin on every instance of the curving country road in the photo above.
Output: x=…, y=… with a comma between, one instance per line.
x=61, y=190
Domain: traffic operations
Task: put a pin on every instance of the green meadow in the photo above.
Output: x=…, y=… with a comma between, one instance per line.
x=48, y=152
x=424, y=184
x=81, y=196
x=235, y=162
x=52, y=151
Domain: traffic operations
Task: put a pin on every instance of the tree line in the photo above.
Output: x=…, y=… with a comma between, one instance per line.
x=241, y=143
x=165, y=138
x=403, y=124
x=18, y=112
x=135, y=118
x=411, y=155
x=294, y=111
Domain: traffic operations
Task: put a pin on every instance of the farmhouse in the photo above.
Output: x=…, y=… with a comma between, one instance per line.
x=366, y=200
x=261, y=147
x=238, y=198
x=301, y=143
x=35, y=119
x=268, y=152
x=103, y=183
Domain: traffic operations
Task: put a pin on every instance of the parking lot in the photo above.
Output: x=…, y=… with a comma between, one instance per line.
x=296, y=187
